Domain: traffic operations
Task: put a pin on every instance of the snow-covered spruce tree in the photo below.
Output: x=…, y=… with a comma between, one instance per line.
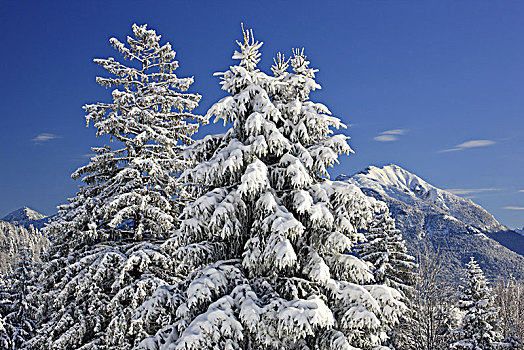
x=88, y=297
x=385, y=249
x=14, y=238
x=16, y=311
x=479, y=329
x=130, y=191
x=106, y=259
x=264, y=244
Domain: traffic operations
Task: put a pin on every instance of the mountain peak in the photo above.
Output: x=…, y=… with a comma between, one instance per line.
x=432, y=217
x=402, y=185
x=394, y=175
x=395, y=179
x=24, y=213
x=24, y=217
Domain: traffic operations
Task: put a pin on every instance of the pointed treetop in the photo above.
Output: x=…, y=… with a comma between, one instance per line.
x=281, y=65
x=472, y=262
x=145, y=48
x=148, y=36
x=301, y=65
x=473, y=267
x=249, y=55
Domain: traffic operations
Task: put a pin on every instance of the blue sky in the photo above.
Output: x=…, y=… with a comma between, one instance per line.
x=435, y=87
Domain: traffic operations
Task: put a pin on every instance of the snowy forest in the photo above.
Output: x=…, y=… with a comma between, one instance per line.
x=238, y=240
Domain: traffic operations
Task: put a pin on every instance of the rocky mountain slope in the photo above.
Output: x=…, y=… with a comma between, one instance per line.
x=435, y=219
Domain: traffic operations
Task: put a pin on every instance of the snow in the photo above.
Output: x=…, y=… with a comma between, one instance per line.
x=398, y=183
x=265, y=243
x=393, y=176
x=449, y=217
x=214, y=327
x=479, y=329
x=23, y=214
x=26, y=217
x=261, y=255
x=316, y=269
x=13, y=238
x=301, y=318
x=254, y=179
x=105, y=261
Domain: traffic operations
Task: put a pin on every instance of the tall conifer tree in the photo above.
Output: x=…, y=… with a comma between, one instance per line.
x=130, y=192
x=264, y=244
x=479, y=330
x=106, y=260
x=386, y=250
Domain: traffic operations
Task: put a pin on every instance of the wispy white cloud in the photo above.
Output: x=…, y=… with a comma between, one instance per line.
x=521, y=191
x=466, y=191
x=514, y=208
x=390, y=135
x=385, y=138
x=44, y=137
x=470, y=144
x=395, y=132
x=451, y=150
x=476, y=143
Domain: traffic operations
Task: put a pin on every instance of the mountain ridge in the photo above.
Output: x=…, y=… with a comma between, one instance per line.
x=401, y=184
x=26, y=217
x=432, y=217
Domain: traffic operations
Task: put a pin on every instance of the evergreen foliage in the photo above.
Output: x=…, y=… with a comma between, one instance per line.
x=17, y=313
x=107, y=257
x=385, y=249
x=131, y=192
x=264, y=246
x=15, y=238
x=88, y=296
x=479, y=330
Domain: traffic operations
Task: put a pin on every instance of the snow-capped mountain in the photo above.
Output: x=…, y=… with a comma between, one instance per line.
x=438, y=219
x=25, y=217
x=398, y=183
